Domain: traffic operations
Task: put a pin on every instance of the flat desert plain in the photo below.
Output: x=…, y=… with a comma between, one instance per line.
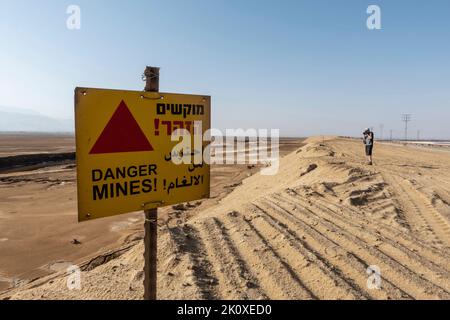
x=309, y=232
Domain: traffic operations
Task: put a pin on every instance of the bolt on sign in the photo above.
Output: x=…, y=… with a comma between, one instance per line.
x=125, y=154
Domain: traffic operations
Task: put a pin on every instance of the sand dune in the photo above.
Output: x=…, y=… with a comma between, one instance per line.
x=309, y=232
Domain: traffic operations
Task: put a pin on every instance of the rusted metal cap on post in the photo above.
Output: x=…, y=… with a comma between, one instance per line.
x=151, y=77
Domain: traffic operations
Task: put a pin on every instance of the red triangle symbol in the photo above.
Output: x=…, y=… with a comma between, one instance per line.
x=121, y=134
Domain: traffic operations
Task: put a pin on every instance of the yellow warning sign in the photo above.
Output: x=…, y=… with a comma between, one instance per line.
x=139, y=150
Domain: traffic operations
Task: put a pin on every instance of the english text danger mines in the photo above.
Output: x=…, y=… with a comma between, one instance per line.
x=123, y=181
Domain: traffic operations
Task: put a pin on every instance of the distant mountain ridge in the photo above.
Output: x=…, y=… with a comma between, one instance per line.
x=25, y=120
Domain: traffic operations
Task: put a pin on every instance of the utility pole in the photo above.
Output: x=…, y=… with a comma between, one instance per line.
x=381, y=131
x=151, y=76
x=406, y=118
x=391, y=134
x=418, y=135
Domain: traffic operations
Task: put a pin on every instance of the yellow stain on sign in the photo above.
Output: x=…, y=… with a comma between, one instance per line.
x=124, y=150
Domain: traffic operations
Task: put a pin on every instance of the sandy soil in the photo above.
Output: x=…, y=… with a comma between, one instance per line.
x=309, y=232
x=38, y=220
x=12, y=144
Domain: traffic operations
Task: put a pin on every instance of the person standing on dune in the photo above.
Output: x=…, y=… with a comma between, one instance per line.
x=368, y=142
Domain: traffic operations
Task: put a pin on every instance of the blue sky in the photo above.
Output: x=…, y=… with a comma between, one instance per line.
x=306, y=67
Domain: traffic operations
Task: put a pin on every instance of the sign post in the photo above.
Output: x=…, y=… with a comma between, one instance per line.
x=151, y=215
x=131, y=155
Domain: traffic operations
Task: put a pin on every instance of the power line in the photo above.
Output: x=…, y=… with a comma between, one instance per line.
x=406, y=118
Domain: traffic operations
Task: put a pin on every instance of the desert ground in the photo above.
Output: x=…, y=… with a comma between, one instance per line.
x=39, y=232
x=309, y=232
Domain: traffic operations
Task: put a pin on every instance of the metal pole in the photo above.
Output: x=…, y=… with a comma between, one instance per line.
x=406, y=118
x=406, y=130
x=151, y=75
x=150, y=253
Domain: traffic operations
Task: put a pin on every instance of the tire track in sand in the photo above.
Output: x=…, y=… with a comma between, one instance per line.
x=277, y=278
x=235, y=278
x=356, y=242
x=350, y=264
x=426, y=220
x=315, y=271
x=322, y=260
x=189, y=242
x=406, y=243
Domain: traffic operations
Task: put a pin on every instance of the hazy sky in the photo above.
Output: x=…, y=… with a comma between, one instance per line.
x=306, y=67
